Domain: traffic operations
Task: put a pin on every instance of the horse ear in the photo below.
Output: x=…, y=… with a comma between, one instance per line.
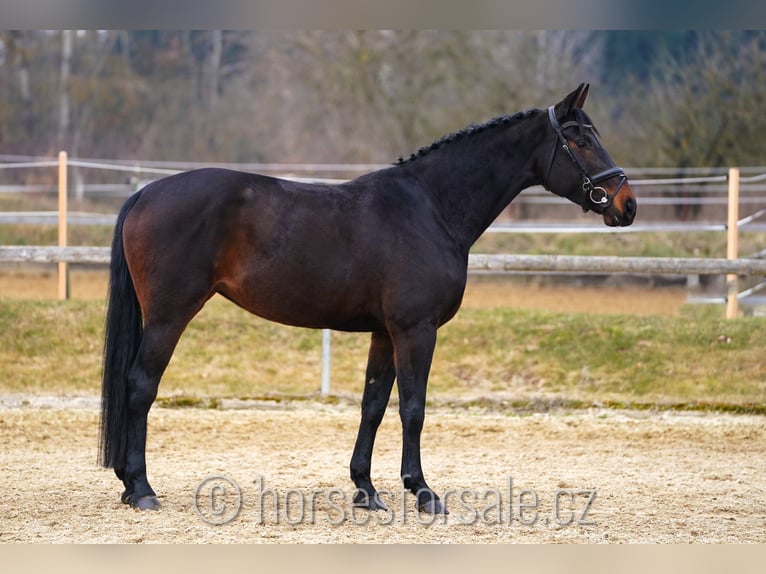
x=582, y=94
x=574, y=100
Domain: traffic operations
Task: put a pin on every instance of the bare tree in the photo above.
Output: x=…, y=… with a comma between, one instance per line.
x=373, y=95
x=701, y=110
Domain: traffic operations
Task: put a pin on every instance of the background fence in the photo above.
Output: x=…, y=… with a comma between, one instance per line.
x=712, y=196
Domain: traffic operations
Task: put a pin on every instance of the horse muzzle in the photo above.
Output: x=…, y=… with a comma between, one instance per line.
x=617, y=203
x=622, y=208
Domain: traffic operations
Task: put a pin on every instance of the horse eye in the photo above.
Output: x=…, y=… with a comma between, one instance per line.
x=581, y=143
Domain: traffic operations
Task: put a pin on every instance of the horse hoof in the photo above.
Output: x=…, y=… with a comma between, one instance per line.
x=149, y=502
x=362, y=500
x=433, y=506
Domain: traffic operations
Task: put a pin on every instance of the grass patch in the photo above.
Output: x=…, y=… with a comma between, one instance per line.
x=607, y=357
x=695, y=361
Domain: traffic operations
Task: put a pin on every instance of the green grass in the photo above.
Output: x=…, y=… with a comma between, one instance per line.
x=483, y=356
x=616, y=358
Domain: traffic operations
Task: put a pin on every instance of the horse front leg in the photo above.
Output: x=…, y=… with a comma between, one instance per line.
x=379, y=380
x=413, y=354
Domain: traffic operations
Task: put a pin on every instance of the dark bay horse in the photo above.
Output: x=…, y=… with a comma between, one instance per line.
x=386, y=253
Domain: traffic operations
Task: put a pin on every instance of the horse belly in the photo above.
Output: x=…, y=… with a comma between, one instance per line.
x=312, y=295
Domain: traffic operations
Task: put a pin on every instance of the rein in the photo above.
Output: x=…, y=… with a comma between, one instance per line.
x=589, y=183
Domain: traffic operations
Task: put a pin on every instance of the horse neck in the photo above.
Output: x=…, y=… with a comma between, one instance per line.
x=472, y=180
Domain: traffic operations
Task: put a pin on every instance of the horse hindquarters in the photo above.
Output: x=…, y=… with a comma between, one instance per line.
x=147, y=313
x=122, y=339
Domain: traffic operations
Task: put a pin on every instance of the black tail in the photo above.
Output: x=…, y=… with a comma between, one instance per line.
x=124, y=326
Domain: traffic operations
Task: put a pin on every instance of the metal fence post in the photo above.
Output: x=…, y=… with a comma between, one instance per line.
x=325, y=389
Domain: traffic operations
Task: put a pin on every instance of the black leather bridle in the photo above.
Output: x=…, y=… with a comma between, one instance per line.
x=589, y=183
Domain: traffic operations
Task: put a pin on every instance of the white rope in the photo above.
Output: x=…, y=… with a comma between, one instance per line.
x=678, y=180
x=116, y=167
x=753, y=178
x=750, y=218
x=29, y=164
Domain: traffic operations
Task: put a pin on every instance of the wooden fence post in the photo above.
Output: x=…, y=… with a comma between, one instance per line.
x=732, y=237
x=63, y=266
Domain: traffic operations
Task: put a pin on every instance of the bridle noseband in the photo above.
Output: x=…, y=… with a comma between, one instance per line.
x=589, y=184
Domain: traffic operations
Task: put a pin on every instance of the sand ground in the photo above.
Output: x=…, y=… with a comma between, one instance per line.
x=585, y=476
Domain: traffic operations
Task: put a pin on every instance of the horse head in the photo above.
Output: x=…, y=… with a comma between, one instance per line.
x=580, y=169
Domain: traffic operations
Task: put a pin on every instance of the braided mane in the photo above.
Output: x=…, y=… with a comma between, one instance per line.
x=466, y=132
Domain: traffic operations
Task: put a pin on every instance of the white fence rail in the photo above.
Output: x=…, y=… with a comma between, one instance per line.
x=476, y=262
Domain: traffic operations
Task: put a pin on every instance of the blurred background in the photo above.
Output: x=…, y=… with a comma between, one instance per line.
x=676, y=109
x=660, y=98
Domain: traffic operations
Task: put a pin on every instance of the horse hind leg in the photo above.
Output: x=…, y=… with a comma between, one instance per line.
x=158, y=341
x=379, y=380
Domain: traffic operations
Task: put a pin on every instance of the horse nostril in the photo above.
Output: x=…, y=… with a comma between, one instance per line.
x=630, y=207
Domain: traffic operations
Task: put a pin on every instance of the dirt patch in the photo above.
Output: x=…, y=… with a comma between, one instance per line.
x=644, y=477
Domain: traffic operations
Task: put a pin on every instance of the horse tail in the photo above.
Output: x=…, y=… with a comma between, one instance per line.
x=122, y=337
